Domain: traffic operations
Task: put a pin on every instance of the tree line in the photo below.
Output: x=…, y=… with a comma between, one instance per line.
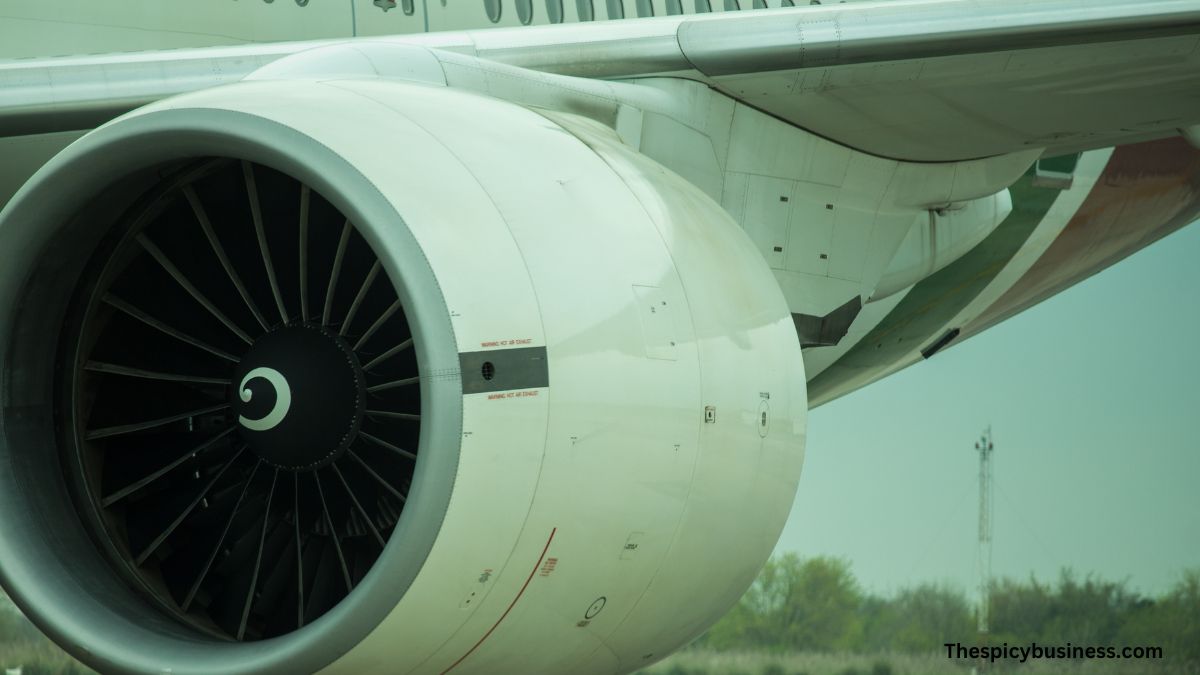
x=816, y=604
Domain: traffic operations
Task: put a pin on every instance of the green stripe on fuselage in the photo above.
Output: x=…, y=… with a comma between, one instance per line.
x=922, y=315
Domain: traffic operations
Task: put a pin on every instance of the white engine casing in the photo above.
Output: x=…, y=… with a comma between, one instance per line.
x=590, y=526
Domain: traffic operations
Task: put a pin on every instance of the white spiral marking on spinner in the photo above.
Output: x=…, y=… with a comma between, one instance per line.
x=283, y=399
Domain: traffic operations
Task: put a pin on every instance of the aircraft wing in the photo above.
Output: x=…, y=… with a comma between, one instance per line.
x=923, y=80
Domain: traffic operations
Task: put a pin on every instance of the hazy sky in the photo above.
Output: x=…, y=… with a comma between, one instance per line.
x=1094, y=401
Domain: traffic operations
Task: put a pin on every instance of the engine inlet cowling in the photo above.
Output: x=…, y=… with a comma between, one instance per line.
x=214, y=399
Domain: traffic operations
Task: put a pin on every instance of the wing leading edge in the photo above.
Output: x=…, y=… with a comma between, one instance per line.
x=928, y=80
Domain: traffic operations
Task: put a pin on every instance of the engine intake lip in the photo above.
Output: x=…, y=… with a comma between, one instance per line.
x=52, y=568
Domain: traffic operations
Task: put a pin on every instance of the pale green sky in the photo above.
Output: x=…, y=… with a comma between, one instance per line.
x=1094, y=401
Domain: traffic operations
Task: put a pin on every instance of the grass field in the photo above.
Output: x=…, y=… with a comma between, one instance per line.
x=43, y=658
x=701, y=662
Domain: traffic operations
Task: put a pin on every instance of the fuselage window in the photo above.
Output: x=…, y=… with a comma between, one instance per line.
x=407, y=6
x=759, y=4
x=788, y=3
x=616, y=10
x=525, y=11
x=493, y=10
x=703, y=6
x=674, y=7
x=587, y=12
x=554, y=11
x=645, y=8
x=731, y=5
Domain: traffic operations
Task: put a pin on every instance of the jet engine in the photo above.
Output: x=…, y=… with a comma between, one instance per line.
x=358, y=375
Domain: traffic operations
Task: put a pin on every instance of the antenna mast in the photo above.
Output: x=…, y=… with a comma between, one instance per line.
x=984, y=447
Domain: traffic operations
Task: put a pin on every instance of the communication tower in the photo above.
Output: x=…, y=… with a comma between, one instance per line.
x=984, y=447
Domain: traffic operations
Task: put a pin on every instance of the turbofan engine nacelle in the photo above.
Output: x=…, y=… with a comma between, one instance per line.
x=359, y=375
